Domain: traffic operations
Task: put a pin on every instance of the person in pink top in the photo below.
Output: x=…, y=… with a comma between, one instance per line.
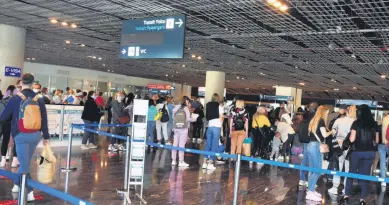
x=181, y=122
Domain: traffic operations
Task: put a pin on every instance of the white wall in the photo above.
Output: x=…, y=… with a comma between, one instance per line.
x=87, y=74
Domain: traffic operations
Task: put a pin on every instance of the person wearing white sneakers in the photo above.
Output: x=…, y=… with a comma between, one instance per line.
x=28, y=123
x=214, y=115
x=117, y=113
x=181, y=123
x=318, y=131
x=198, y=109
x=284, y=127
x=6, y=130
x=90, y=115
x=383, y=146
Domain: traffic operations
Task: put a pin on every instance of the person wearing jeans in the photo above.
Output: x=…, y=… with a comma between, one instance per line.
x=214, y=116
x=90, y=115
x=383, y=147
x=315, y=161
x=26, y=143
x=152, y=112
x=304, y=162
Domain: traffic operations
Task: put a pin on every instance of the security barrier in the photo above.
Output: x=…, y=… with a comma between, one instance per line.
x=24, y=182
x=238, y=159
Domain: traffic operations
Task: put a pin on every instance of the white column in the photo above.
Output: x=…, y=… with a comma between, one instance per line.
x=186, y=90
x=214, y=83
x=290, y=91
x=12, y=45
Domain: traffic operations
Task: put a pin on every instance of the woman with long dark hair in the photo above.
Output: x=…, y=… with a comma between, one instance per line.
x=365, y=137
x=90, y=115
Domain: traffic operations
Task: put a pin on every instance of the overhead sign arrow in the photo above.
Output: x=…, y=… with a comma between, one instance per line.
x=180, y=22
x=124, y=51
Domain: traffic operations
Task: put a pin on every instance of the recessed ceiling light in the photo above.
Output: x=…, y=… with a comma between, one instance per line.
x=67, y=42
x=28, y=58
x=193, y=56
x=302, y=84
x=53, y=21
x=283, y=8
x=183, y=65
x=353, y=56
x=108, y=70
x=383, y=76
x=354, y=88
x=336, y=89
x=199, y=57
x=237, y=77
x=167, y=75
x=228, y=81
x=326, y=90
x=247, y=88
x=242, y=78
x=73, y=25
x=100, y=58
x=82, y=45
x=277, y=4
x=104, y=65
x=64, y=23
x=94, y=57
x=33, y=59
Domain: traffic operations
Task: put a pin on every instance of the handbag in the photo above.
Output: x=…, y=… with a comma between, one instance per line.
x=165, y=115
x=323, y=147
x=158, y=116
x=46, y=165
x=122, y=119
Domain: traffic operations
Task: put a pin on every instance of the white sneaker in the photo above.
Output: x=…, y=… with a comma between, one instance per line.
x=280, y=158
x=287, y=158
x=15, y=162
x=312, y=196
x=333, y=190
x=303, y=183
x=194, y=140
x=112, y=148
x=84, y=147
x=210, y=166
x=205, y=165
x=121, y=148
x=383, y=184
x=220, y=162
x=318, y=194
x=92, y=146
x=169, y=144
x=199, y=141
x=15, y=189
x=30, y=196
x=174, y=163
x=3, y=163
x=183, y=164
x=301, y=155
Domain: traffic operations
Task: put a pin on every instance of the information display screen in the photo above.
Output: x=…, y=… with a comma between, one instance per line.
x=157, y=37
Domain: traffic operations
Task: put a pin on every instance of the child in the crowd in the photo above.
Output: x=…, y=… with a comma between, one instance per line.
x=276, y=146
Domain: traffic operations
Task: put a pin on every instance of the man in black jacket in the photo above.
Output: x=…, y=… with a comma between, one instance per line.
x=90, y=115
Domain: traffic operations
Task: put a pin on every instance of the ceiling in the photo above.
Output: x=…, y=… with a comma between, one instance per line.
x=325, y=44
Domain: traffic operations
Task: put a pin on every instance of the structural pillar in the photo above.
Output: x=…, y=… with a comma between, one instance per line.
x=291, y=91
x=12, y=45
x=214, y=83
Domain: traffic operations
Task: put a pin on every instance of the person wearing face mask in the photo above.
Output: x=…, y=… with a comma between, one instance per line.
x=36, y=87
x=90, y=115
x=117, y=112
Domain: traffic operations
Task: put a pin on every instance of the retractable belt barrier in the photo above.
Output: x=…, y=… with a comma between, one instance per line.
x=44, y=188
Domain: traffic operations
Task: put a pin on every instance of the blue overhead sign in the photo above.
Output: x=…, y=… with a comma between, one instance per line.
x=13, y=72
x=370, y=103
x=276, y=97
x=158, y=37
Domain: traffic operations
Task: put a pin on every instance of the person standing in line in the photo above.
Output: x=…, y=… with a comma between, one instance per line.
x=117, y=112
x=57, y=98
x=108, y=107
x=214, y=115
x=6, y=130
x=284, y=127
x=182, y=120
x=259, y=121
x=90, y=115
x=100, y=104
x=130, y=110
x=383, y=147
x=197, y=126
x=170, y=106
x=26, y=140
x=162, y=123
x=152, y=112
x=343, y=127
x=365, y=137
x=318, y=132
x=239, y=126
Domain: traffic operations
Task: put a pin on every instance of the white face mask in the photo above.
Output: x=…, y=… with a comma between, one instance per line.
x=36, y=90
x=120, y=98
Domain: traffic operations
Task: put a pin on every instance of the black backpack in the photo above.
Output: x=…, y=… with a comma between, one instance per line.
x=3, y=104
x=239, y=122
x=165, y=115
x=304, y=133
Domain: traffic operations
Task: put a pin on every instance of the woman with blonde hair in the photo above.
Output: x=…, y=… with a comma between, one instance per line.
x=383, y=147
x=57, y=98
x=318, y=132
x=259, y=121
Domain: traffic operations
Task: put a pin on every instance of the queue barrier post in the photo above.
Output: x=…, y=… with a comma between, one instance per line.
x=67, y=168
x=22, y=200
x=125, y=186
x=236, y=179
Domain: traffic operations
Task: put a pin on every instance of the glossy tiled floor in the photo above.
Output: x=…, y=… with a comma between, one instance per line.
x=100, y=173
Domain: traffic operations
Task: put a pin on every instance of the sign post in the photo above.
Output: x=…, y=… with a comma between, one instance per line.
x=138, y=145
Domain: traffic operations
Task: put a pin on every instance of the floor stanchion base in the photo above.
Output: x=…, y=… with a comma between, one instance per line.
x=73, y=169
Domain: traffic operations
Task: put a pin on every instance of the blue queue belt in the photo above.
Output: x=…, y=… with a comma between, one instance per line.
x=102, y=125
x=53, y=192
x=83, y=127
x=274, y=163
x=8, y=174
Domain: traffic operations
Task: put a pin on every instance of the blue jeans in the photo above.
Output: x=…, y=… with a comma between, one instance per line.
x=304, y=162
x=212, y=144
x=25, y=147
x=89, y=136
x=360, y=163
x=150, y=131
x=315, y=161
x=382, y=150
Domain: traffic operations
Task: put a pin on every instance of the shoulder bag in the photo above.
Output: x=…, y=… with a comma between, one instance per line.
x=323, y=147
x=123, y=119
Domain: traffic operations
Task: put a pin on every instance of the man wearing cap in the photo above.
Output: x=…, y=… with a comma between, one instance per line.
x=334, y=116
x=26, y=143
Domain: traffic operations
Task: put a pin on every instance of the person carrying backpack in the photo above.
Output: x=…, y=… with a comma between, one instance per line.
x=6, y=129
x=181, y=123
x=29, y=119
x=238, y=127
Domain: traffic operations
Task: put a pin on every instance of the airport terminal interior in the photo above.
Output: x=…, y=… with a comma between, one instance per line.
x=216, y=102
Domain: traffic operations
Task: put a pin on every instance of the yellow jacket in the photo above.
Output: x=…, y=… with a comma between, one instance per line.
x=260, y=120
